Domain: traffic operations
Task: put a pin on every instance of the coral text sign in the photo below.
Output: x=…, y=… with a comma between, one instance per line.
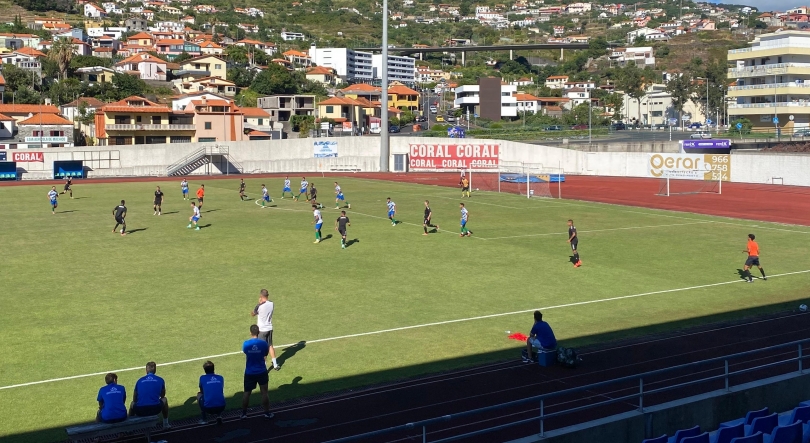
x=454, y=156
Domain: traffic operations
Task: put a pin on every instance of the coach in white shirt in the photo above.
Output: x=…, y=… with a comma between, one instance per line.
x=264, y=313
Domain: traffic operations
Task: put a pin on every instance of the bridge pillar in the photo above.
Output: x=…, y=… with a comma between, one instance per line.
x=420, y=56
x=562, y=53
x=463, y=60
x=510, y=55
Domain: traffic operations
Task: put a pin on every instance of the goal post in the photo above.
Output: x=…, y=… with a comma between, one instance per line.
x=525, y=179
x=668, y=186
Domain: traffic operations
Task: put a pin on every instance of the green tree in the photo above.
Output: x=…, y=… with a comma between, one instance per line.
x=183, y=56
x=631, y=80
x=86, y=61
x=62, y=53
x=274, y=80
x=680, y=89
x=86, y=116
x=65, y=91
x=242, y=77
x=127, y=85
x=27, y=95
x=237, y=54
x=17, y=79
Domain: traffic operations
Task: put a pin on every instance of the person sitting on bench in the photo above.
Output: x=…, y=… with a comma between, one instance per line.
x=112, y=401
x=541, y=338
x=149, y=396
x=211, y=397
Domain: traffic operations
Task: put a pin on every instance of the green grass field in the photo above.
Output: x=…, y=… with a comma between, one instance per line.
x=78, y=299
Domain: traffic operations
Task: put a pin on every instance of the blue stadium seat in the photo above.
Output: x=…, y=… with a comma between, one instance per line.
x=763, y=424
x=749, y=418
x=702, y=438
x=786, y=434
x=726, y=433
x=800, y=413
x=661, y=439
x=683, y=433
x=756, y=438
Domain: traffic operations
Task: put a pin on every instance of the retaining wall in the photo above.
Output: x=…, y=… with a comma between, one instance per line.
x=297, y=155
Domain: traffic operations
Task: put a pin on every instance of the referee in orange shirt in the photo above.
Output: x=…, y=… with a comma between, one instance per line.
x=200, y=196
x=753, y=259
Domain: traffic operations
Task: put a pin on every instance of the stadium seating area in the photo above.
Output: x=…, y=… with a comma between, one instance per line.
x=760, y=426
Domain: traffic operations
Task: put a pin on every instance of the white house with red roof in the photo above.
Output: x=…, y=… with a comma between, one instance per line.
x=94, y=11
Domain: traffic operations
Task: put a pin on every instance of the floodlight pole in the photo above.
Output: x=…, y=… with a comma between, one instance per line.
x=385, y=149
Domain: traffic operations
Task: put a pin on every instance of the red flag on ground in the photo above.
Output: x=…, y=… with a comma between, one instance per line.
x=518, y=336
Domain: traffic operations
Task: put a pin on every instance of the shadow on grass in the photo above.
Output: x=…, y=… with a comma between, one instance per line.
x=292, y=388
x=352, y=241
x=169, y=213
x=132, y=231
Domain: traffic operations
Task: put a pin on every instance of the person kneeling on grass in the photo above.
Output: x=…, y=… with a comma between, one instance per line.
x=211, y=397
x=149, y=397
x=112, y=400
x=541, y=338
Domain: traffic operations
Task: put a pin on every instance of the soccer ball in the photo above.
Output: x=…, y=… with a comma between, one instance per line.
x=476, y=189
x=803, y=308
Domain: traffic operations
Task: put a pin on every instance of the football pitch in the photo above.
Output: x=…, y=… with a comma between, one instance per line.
x=79, y=301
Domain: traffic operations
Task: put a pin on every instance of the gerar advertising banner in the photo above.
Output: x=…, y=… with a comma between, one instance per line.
x=455, y=156
x=690, y=166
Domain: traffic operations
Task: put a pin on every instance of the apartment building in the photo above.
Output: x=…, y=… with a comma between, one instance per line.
x=400, y=69
x=490, y=99
x=135, y=121
x=350, y=65
x=772, y=81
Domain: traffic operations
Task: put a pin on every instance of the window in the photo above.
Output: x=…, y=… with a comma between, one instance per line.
x=217, y=66
x=155, y=119
x=261, y=122
x=330, y=109
x=57, y=133
x=180, y=139
x=138, y=119
x=37, y=133
x=196, y=66
x=207, y=139
x=155, y=139
x=207, y=125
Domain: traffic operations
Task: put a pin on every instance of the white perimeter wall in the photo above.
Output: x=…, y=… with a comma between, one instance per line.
x=297, y=155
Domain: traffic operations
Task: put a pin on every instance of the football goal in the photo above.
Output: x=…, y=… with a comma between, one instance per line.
x=668, y=187
x=526, y=179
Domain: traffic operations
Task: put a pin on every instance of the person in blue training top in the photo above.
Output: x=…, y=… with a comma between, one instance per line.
x=541, y=337
x=149, y=396
x=256, y=351
x=211, y=397
x=112, y=399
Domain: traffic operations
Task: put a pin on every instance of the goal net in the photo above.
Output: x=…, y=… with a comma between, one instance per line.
x=672, y=186
x=526, y=179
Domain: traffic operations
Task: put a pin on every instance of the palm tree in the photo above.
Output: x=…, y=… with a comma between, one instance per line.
x=62, y=53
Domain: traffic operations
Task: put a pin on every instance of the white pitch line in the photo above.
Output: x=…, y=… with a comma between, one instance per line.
x=599, y=230
x=403, y=222
x=405, y=328
x=276, y=207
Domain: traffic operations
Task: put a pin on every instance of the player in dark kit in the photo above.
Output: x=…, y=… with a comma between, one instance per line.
x=428, y=217
x=573, y=239
x=752, y=249
x=242, y=190
x=68, y=188
x=340, y=226
x=158, y=201
x=313, y=196
x=120, y=214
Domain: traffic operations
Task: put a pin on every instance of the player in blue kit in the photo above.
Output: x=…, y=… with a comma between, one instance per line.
x=286, y=188
x=265, y=195
x=339, y=198
x=184, y=188
x=112, y=399
x=195, y=217
x=256, y=351
x=392, y=211
x=465, y=216
x=318, y=222
x=52, y=196
x=149, y=396
x=211, y=397
x=304, y=189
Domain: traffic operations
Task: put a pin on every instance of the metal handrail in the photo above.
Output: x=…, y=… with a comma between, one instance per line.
x=639, y=395
x=174, y=167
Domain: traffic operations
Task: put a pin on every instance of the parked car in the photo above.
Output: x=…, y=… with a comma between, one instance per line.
x=434, y=109
x=618, y=126
x=554, y=128
x=579, y=127
x=695, y=125
x=802, y=133
x=420, y=119
x=393, y=129
x=660, y=127
x=450, y=118
x=700, y=134
x=439, y=118
x=375, y=130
